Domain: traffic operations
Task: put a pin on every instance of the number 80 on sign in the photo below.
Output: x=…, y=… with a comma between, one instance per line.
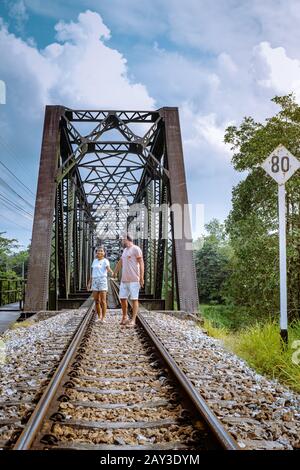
x=281, y=164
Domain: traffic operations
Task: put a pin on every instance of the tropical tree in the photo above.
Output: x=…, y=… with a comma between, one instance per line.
x=213, y=263
x=252, y=224
x=18, y=262
x=7, y=245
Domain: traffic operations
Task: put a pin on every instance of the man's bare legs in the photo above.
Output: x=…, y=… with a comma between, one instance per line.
x=124, y=306
x=103, y=303
x=96, y=296
x=135, y=309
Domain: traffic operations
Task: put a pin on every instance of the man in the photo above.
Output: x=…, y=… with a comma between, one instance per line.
x=132, y=279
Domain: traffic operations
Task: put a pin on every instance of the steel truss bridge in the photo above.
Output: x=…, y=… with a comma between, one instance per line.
x=101, y=174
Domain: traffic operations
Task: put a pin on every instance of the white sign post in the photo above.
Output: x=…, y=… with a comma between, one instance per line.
x=281, y=165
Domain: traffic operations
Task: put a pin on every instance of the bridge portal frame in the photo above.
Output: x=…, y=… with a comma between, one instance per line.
x=63, y=236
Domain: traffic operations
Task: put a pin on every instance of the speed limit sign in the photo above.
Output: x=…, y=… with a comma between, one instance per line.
x=281, y=165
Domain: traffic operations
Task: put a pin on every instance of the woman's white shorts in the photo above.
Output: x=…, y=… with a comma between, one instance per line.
x=99, y=283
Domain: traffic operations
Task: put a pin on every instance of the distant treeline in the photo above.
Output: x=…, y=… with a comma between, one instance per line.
x=239, y=261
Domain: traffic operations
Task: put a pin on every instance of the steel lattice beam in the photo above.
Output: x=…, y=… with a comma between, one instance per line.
x=90, y=161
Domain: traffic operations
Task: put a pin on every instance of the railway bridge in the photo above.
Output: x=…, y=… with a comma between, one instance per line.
x=72, y=382
x=101, y=174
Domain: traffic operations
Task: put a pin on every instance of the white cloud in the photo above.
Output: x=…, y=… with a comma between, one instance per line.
x=234, y=26
x=27, y=74
x=80, y=70
x=203, y=140
x=174, y=78
x=205, y=130
x=275, y=70
x=217, y=61
x=53, y=9
x=18, y=13
x=227, y=64
x=90, y=26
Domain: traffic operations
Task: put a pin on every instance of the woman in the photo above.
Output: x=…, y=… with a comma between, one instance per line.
x=98, y=282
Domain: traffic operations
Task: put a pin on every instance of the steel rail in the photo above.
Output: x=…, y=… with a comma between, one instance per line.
x=213, y=423
x=35, y=421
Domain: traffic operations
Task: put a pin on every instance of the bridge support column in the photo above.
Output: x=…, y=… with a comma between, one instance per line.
x=39, y=257
x=184, y=260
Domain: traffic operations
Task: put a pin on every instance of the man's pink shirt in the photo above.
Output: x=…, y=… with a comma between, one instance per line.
x=130, y=265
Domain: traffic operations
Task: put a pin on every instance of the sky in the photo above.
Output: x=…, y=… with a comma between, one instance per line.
x=217, y=61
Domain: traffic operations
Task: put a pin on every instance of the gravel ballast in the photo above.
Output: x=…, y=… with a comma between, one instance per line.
x=29, y=356
x=259, y=413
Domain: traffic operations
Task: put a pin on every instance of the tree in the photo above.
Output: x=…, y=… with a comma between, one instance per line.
x=6, y=247
x=212, y=263
x=13, y=266
x=18, y=262
x=252, y=224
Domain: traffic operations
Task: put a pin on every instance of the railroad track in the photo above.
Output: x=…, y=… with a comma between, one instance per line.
x=118, y=388
x=18, y=403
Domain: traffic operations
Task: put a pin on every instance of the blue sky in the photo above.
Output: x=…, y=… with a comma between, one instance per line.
x=217, y=61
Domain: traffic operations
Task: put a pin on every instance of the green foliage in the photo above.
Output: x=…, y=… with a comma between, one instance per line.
x=218, y=332
x=19, y=261
x=248, y=323
x=6, y=247
x=258, y=343
x=226, y=316
x=212, y=263
x=12, y=264
x=252, y=225
x=11, y=261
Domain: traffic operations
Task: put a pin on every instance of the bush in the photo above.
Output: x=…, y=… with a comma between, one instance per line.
x=260, y=346
x=226, y=316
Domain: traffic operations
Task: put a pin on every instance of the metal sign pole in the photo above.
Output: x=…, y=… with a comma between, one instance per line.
x=282, y=263
x=281, y=165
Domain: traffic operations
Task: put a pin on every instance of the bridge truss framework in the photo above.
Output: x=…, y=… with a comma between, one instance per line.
x=97, y=170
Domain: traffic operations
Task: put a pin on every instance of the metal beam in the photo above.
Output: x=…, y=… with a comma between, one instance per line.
x=39, y=258
x=82, y=175
x=185, y=265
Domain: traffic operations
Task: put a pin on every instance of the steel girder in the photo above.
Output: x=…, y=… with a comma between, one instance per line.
x=96, y=166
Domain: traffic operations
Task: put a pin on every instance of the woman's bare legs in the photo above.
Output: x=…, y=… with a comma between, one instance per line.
x=103, y=303
x=96, y=295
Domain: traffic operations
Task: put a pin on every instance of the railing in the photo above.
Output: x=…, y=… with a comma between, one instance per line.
x=12, y=291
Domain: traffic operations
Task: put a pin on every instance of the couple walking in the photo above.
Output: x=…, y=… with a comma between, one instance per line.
x=132, y=265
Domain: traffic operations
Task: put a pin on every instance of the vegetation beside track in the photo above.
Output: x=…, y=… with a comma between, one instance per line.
x=257, y=342
x=237, y=261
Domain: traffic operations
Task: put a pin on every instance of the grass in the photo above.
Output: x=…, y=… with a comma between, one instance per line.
x=258, y=343
x=226, y=316
x=219, y=332
x=21, y=324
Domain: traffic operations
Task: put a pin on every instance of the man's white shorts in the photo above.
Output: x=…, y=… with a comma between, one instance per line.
x=129, y=289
